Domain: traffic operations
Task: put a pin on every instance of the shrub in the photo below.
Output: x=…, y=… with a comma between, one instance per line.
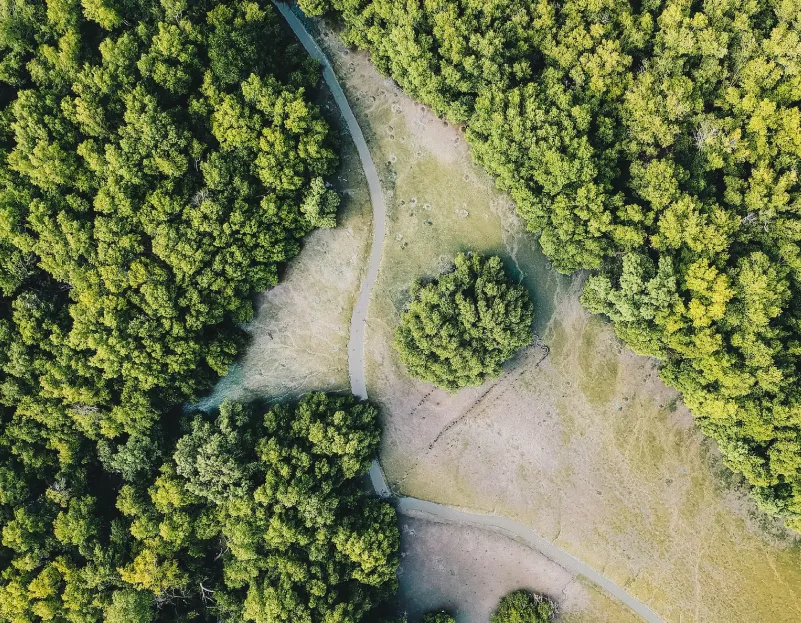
x=437, y=617
x=523, y=607
x=459, y=328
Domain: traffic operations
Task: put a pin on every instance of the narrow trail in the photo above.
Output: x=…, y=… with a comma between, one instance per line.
x=356, y=367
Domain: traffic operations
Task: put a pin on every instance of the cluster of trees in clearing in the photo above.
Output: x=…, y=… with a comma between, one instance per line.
x=460, y=327
x=159, y=160
x=656, y=143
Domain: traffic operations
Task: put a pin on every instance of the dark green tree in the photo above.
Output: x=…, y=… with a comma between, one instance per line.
x=523, y=607
x=274, y=500
x=458, y=329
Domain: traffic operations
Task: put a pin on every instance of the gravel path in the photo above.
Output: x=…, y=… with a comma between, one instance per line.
x=356, y=365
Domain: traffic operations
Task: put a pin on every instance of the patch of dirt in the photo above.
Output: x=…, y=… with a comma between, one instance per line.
x=467, y=570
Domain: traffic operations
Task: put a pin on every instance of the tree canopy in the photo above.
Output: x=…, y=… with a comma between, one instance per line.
x=523, y=607
x=437, y=617
x=656, y=143
x=261, y=517
x=458, y=329
x=159, y=161
x=257, y=516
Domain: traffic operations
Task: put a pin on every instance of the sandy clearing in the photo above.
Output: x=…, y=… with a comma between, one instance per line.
x=466, y=570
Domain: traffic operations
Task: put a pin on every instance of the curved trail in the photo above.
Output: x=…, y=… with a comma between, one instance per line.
x=356, y=366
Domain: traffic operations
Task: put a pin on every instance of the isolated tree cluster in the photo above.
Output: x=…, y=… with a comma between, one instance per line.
x=657, y=143
x=523, y=607
x=159, y=160
x=459, y=328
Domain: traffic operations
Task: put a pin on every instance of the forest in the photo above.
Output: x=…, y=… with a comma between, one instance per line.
x=159, y=161
x=655, y=144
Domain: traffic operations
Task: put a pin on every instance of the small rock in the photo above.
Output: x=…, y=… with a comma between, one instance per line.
x=462, y=213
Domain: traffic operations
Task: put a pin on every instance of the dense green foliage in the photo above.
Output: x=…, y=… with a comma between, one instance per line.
x=255, y=517
x=458, y=329
x=159, y=160
x=437, y=617
x=658, y=143
x=523, y=607
x=266, y=514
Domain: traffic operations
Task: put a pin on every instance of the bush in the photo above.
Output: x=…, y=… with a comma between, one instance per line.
x=437, y=617
x=460, y=328
x=523, y=607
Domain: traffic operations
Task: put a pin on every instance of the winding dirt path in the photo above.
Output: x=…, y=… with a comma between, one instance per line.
x=356, y=365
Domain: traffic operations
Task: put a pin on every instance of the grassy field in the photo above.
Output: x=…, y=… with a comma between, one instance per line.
x=586, y=445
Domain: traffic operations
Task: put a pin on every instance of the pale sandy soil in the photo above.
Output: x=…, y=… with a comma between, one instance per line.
x=467, y=570
x=586, y=446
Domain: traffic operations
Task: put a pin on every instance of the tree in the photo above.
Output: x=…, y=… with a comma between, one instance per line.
x=459, y=329
x=299, y=539
x=320, y=205
x=523, y=607
x=216, y=458
x=159, y=161
x=129, y=606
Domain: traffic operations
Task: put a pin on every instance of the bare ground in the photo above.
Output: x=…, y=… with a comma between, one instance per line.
x=466, y=570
